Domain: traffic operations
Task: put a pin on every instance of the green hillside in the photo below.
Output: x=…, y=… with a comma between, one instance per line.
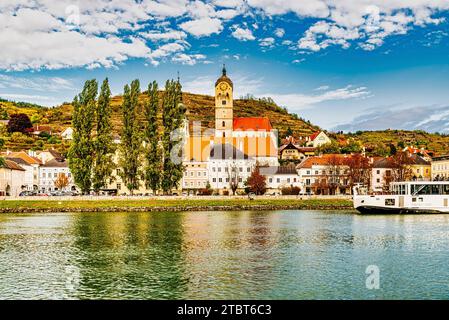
x=201, y=108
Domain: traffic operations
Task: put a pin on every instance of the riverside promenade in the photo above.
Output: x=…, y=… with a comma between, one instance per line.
x=171, y=203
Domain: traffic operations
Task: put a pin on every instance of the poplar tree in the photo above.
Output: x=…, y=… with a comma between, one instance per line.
x=104, y=143
x=153, y=154
x=172, y=116
x=81, y=151
x=130, y=146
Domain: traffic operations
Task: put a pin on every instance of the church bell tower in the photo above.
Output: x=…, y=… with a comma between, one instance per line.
x=223, y=106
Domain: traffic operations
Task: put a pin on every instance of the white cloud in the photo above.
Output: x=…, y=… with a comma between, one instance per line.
x=188, y=59
x=35, y=83
x=279, y=32
x=243, y=34
x=267, y=42
x=164, y=36
x=295, y=102
x=202, y=27
x=37, y=34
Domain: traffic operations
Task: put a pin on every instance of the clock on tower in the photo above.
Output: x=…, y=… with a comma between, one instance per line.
x=223, y=106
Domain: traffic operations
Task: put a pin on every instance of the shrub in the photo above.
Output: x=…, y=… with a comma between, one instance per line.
x=290, y=190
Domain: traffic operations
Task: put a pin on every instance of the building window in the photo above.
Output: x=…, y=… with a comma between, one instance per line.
x=214, y=179
x=119, y=186
x=223, y=102
x=220, y=180
x=270, y=180
x=219, y=169
x=278, y=180
x=223, y=124
x=248, y=169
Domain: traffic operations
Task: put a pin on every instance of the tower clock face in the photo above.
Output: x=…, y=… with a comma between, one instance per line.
x=223, y=86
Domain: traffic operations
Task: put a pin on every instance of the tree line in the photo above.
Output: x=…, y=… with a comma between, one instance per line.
x=144, y=155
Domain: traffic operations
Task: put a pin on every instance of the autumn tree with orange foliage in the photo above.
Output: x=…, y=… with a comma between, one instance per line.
x=359, y=169
x=62, y=181
x=256, y=182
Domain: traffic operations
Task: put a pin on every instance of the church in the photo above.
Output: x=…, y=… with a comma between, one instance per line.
x=237, y=142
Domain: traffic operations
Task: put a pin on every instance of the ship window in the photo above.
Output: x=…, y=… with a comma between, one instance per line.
x=389, y=202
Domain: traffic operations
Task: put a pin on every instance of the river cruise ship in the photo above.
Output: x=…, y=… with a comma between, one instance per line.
x=405, y=198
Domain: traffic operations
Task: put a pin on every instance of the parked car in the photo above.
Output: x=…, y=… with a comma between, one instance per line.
x=27, y=193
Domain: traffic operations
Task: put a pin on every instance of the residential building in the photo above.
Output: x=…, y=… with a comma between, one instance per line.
x=281, y=177
x=49, y=172
x=12, y=176
x=195, y=176
x=67, y=134
x=292, y=151
x=383, y=171
x=420, y=167
x=47, y=155
x=30, y=164
x=318, y=139
x=440, y=168
x=325, y=174
x=227, y=165
x=425, y=154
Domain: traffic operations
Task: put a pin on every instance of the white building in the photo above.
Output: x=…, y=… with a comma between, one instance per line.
x=11, y=178
x=318, y=139
x=49, y=172
x=226, y=165
x=67, y=134
x=281, y=177
x=31, y=166
x=195, y=176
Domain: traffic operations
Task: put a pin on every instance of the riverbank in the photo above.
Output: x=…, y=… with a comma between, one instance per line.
x=140, y=205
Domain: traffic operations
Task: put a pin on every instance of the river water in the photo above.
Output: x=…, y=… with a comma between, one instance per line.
x=223, y=255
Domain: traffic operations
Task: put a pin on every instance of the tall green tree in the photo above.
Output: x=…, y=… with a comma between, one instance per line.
x=104, y=142
x=81, y=151
x=173, y=114
x=131, y=140
x=153, y=152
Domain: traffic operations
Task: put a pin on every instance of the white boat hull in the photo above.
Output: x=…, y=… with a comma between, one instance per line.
x=400, y=204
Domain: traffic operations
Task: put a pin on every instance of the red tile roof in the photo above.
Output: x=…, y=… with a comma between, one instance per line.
x=12, y=165
x=252, y=124
x=313, y=136
x=323, y=160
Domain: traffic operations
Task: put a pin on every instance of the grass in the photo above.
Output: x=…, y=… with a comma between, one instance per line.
x=167, y=205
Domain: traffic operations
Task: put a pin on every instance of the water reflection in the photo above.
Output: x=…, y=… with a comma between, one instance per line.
x=208, y=255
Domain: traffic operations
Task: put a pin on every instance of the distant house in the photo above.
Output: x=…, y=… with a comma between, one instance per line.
x=318, y=139
x=49, y=172
x=325, y=174
x=292, y=151
x=383, y=168
x=67, y=134
x=48, y=155
x=12, y=176
x=38, y=129
x=282, y=177
x=426, y=154
x=31, y=166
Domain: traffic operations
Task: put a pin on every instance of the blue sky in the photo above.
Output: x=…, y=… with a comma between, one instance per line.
x=343, y=64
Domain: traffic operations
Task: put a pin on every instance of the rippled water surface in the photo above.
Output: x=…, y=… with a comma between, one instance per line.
x=227, y=255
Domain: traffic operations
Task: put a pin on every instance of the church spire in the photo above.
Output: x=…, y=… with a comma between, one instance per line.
x=224, y=70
